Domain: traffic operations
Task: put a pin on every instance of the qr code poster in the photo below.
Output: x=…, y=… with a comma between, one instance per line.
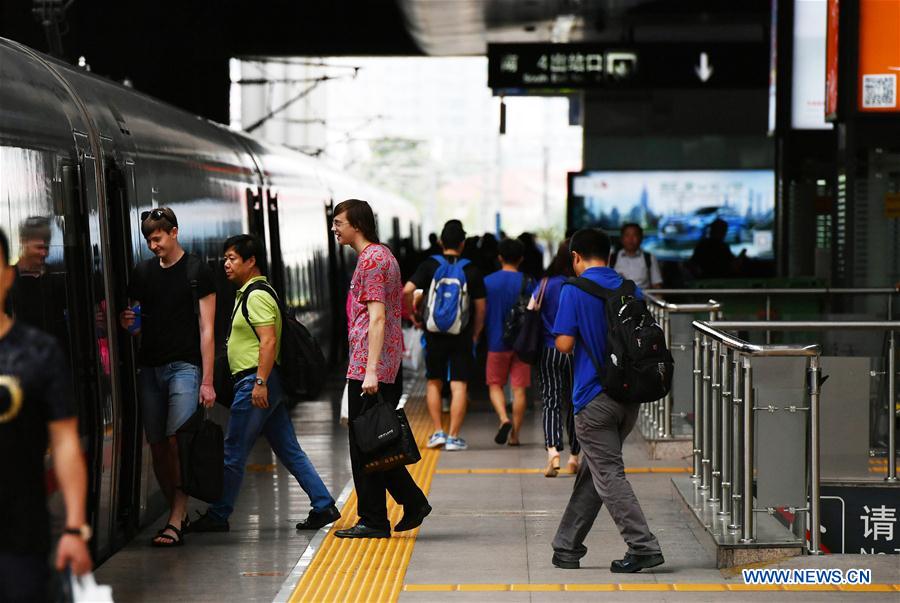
x=879, y=91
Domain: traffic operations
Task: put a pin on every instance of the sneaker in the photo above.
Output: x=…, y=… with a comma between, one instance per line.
x=437, y=439
x=455, y=444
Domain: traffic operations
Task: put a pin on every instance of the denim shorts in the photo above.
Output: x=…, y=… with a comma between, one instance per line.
x=169, y=396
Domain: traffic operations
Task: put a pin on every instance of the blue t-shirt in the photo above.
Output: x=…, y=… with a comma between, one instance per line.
x=503, y=288
x=550, y=306
x=583, y=316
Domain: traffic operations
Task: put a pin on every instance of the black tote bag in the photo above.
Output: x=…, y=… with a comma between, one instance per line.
x=376, y=426
x=529, y=342
x=403, y=451
x=201, y=454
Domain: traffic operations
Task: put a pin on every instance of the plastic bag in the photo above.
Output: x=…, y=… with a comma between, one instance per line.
x=412, y=348
x=345, y=405
x=86, y=590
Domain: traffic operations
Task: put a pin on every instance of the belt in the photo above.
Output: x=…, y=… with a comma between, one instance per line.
x=244, y=373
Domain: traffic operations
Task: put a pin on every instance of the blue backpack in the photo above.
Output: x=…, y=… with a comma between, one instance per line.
x=447, y=306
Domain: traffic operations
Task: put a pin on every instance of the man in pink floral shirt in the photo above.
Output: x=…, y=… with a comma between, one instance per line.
x=376, y=347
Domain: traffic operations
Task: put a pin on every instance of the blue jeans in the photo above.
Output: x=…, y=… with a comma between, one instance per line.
x=169, y=396
x=247, y=422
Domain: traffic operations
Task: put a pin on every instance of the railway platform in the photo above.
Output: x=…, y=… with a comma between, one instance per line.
x=488, y=538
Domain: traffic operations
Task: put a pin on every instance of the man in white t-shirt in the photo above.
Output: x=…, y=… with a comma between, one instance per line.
x=633, y=263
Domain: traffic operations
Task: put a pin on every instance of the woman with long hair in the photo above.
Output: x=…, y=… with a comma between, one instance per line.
x=555, y=368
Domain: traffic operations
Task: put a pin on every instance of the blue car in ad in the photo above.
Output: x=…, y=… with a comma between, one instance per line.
x=686, y=230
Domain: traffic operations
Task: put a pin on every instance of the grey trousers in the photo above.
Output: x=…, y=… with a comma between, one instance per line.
x=601, y=428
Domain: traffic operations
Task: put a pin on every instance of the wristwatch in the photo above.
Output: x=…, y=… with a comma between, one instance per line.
x=85, y=532
x=260, y=382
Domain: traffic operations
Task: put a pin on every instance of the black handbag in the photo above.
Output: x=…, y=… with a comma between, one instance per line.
x=376, y=426
x=529, y=342
x=201, y=454
x=222, y=381
x=403, y=451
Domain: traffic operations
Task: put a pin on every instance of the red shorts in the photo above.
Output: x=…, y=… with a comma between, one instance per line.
x=503, y=366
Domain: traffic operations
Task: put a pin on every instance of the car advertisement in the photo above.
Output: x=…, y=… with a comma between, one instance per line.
x=676, y=208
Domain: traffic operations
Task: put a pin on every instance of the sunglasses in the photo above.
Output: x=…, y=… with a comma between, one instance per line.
x=160, y=213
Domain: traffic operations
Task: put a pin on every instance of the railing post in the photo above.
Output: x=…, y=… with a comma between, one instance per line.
x=698, y=393
x=747, y=470
x=667, y=401
x=892, y=412
x=704, y=416
x=725, y=506
x=715, y=402
x=768, y=318
x=814, y=518
x=736, y=445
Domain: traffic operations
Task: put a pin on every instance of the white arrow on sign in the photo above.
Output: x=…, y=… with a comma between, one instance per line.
x=704, y=70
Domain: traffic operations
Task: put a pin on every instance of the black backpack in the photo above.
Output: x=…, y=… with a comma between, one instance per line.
x=303, y=367
x=638, y=366
x=512, y=324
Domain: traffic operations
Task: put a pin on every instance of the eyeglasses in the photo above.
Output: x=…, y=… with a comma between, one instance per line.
x=160, y=213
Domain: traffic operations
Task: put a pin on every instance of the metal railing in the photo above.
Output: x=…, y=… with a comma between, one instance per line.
x=723, y=396
x=657, y=416
x=724, y=459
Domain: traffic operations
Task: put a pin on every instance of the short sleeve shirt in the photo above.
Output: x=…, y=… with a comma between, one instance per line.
x=375, y=279
x=170, y=331
x=424, y=274
x=262, y=311
x=503, y=288
x=35, y=390
x=583, y=316
x=634, y=268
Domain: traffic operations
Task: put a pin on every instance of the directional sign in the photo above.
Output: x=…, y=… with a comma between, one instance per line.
x=548, y=67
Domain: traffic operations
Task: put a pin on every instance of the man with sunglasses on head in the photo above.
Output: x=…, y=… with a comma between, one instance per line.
x=173, y=306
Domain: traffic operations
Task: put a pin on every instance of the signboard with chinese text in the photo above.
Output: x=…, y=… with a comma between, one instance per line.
x=860, y=519
x=597, y=66
x=879, y=55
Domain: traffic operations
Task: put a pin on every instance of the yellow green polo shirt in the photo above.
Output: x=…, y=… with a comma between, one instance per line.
x=243, y=346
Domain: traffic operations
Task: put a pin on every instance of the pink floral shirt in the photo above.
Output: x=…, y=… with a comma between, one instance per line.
x=376, y=278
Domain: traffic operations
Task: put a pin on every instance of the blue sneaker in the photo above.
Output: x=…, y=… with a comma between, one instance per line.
x=437, y=439
x=455, y=444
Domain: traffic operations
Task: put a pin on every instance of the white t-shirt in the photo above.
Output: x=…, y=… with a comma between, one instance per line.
x=634, y=267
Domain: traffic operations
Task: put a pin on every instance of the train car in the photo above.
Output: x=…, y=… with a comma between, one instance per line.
x=80, y=158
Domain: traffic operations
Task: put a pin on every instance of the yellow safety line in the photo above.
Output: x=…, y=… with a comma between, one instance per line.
x=520, y=471
x=647, y=587
x=370, y=569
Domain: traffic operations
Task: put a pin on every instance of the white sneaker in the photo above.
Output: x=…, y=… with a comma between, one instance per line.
x=455, y=444
x=437, y=439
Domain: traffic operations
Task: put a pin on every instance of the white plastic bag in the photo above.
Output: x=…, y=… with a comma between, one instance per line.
x=86, y=590
x=412, y=348
x=345, y=405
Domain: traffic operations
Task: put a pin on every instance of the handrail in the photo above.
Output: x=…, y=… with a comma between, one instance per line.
x=711, y=305
x=782, y=291
x=807, y=325
x=711, y=329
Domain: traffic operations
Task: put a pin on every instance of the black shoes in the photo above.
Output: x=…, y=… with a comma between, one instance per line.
x=635, y=563
x=319, y=519
x=503, y=433
x=563, y=564
x=207, y=523
x=361, y=531
x=412, y=520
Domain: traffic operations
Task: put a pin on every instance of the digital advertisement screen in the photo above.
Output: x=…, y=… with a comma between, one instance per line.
x=676, y=208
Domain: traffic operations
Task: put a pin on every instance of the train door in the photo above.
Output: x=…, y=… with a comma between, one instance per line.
x=276, y=261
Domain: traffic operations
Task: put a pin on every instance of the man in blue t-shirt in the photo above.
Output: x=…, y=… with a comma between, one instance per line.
x=601, y=423
x=504, y=288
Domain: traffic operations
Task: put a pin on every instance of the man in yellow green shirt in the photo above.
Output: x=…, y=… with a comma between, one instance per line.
x=254, y=347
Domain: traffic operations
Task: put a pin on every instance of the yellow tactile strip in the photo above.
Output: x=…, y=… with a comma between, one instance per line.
x=369, y=569
x=644, y=587
x=529, y=471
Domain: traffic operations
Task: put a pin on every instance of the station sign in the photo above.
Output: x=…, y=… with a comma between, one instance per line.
x=860, y=519
x=556, y=67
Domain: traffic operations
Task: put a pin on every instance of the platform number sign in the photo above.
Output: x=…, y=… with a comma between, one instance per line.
x=860, y=519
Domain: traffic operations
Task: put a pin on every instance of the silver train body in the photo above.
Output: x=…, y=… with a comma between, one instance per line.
x=87, y=156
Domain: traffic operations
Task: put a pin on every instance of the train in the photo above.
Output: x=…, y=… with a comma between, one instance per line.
x=83, y=156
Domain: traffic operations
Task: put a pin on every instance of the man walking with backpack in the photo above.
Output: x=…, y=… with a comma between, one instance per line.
x=601, y=422
x=508, y=294
x=454, y=317
x=173, y=296
x=254, y=351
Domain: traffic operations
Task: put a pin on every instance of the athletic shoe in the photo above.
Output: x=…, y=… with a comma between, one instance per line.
x=437, y=439
x=635, y=563
x=455, y=444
